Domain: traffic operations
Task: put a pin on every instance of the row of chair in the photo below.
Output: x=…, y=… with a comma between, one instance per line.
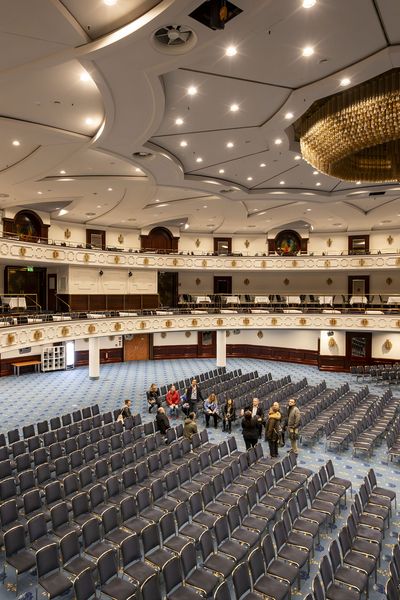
x=214, y=376
x=393, y=583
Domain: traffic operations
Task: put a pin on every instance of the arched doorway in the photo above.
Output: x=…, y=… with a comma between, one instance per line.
x=159, y=239
x=27, y=225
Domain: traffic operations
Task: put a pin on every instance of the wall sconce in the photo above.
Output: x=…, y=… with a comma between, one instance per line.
x=130, y=274
x=260, y=335
x=390, y=240
x=246, y=281
x=197, y=243
x=329, y=242
x=389, y=281
x=286, y=281
x=332, y=342
x=67, y=234
x=101, y=273
x=247, y=243
x=329, y=281
x=198, y=281
x=121, y=238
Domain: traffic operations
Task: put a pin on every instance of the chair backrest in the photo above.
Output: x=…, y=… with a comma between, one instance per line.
x=109, y=519
x=69, y=546
x=37, y=527
x=14, y=540
x=167, y=526
x=256, y=564
x=318, y=590
x=150, y=590
x=241, y=581
x=130, y=550
x=47, y=560
x=150, y=538
x=172, y=574
x=107, y=566
x=188, y=559
x=84, y=585
x=326, y=572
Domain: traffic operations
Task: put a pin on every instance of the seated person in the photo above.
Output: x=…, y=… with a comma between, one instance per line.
x=172, y=399
x=153, y=397
x=125, y=411
x=228, y=415
x=211, y=410
x=190, y=426
x=162, y=421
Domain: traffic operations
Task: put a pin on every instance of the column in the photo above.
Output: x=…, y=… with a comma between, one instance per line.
x=94, y=357
x=221, y=348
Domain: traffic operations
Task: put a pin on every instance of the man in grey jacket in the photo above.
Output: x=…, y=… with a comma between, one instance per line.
x=293, y=423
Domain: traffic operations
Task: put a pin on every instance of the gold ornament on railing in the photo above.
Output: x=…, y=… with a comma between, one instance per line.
x=146, y=261
x=274, y=321
x=91, y=328
x=364, y=322
x=234, y=263
x=56, y=254
x=168, y=323
x=117, y=326
x=220, y=322
x=263, y=264
x=175, y=262
x=37, y=335
x=116, y=259
x=246, y=321
x=64, y=331
x=194, y=322
x=327, y=264
x=354, y=135
x=362, y=262
x=294, y=263
x=329, y=242
x=303, y=321
x=388, y=345
x=10, y=338
x=332, y=322
x=22, y=251
x=203, y=263
x=142, y=325
x=86, y=257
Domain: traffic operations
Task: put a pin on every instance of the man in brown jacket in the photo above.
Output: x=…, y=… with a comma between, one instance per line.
x=190, y=426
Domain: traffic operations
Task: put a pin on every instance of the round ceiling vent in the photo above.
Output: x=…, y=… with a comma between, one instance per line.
x=174, y=39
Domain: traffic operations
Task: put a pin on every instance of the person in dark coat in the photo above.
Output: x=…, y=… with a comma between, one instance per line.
x=249, y=429
x=228, y=415
x=153, y=397
x=193, y=396
x=162, y=420
x=272, y=429
x=257, y=412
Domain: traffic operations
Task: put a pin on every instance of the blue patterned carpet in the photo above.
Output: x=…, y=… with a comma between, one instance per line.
x=32, y=397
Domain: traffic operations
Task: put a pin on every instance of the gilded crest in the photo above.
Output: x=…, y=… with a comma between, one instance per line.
x=364, y=322
x=246, y=321
x=86, y=257
x=91, y=328
x=274, y=321
x=117, y=326
x=22, y=251
x=195, y=322
x=56, y=254
x=10, y=338
x=116, y=259
x=220, y=322
x=332, y=322
x=65, y=331
x=37, y=335
x=303, y=321
x=168, y=323
x=146, y=261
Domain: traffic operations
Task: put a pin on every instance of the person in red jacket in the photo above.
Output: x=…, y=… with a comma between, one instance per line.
x=173, y=399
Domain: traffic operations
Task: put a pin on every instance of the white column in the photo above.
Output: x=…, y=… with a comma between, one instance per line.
x=94, y=357
x=221, y=348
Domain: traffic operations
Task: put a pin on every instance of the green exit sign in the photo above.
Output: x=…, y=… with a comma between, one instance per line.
x=29, y=269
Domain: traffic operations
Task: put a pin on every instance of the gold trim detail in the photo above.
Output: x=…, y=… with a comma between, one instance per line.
x=10, y=338
x=146, y=261
x=204, y=263
x=56, y=254
x=246, y=321
x=233, y=263
x=332, y=322
x=303, y=321
x=263, y=264
x=364, y=322
x=362, y=262
x=91, y=328
x=116, y=259
x=65, y=331
x=142, y=325
x=194, y=322
x=220, y=322
x=175, y=262
x=274, y=321
x=388, y=345
x=86, y=257
x=294, y=263
x=117, y=326
x=22, y=251
x=332, y=342
x=168, y=323
x=327, y=264
x=37, y=335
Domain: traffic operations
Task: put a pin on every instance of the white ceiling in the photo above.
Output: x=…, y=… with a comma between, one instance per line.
x=84, y=88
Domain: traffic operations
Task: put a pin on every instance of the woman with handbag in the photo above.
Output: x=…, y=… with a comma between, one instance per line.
x=228, y=415
x=273, y=429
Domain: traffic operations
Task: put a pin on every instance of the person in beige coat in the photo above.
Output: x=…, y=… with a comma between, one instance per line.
x=190, y=426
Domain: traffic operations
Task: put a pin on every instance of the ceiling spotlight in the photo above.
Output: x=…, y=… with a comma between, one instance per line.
x=85, y=76
x=234, y=107
x=183, y=144
x=16, y=143
x=289, y=115
x=137, y=170
x=345, y=81
x=281, y=183
x=40, y=193
x=231, y=51
x=308, y=51
x=221, y=171
x=110, y=2
x=297, y=157
x=157, y=200
x=179, y=121
x=315, y=172
x=263, y=165
x=249, y=179
x=278, y=141
x=318, y=183
x=62, y=212
x=308, y=209
x=62, y=172
x=205, y=206
x=199, y=159
x=309, y=3
x=187, y=225
x=109, y=189
x=230, y=145
x=358, y=182
x=192, y=90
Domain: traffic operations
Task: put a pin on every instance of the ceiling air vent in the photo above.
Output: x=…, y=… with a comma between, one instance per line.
x=373, y=194
x=174, y=38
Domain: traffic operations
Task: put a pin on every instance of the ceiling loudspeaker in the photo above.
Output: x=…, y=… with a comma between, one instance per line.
x=215, y=13
x=331, y=333
x=173, y=35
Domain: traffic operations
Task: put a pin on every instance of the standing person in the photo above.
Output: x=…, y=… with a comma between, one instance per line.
x=211, y=410
x=272, y=429
x=162, y=421
x=249, y=429
x=193, y=396
x=153, y=397
x=292, y=423
x=256, y=412
x=190, y=426
x=228, y=415
x=172, y=399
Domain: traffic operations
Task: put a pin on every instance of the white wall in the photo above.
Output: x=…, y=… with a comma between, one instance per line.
x=106, y=342
x=175, y=338
x=339, y=349
x=86, y=280
x=378, y=349
x=78, y=235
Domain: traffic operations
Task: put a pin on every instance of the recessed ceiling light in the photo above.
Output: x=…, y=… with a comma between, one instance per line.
x=278, y=141
x=289, y=115
x=62, y=212
x=308, y=209
x=315, y=172
x=261, y=213
x=318, y=183
x=40, y=193
x=249, y=179
x=199, y=159
x=110, y=2
x=98, y=206
x=192, y=90
x=263, y=165
x=89, y=121
x=205, y=206
x=358, y=182
x=62, y=172
x=221, y=171
x=109, y=189
x=308, y=51
x=183, y=144
x=297, y=157
x=345, y=81
x=234, y=107
x=230, y=145
x=231, y=51
x=187, y=225
x=16, y=143
x=137, y=170
x=179, y=121
x=85, y=76
x=162, y=205
x=309, y=3
x=281, y=183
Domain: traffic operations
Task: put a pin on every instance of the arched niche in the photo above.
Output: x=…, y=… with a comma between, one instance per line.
x=159, y=239
x=28, y=226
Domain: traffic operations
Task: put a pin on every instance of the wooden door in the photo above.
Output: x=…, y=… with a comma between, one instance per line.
x=358, y=348
x=52, y=292
x=206, y=344
x=137, y=347
x=222, y=284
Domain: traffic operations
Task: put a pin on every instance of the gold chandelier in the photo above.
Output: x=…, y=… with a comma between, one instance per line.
x=355, y=135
